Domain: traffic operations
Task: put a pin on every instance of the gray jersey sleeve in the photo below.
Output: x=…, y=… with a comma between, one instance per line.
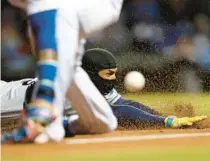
x=112, y=96
x=12, y=95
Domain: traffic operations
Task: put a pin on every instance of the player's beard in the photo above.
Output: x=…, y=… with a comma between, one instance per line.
x=103, y=85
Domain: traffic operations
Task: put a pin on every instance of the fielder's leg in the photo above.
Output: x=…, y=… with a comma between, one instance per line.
x=39, y=112
x=95, y=114
x=57, y=30
x=90, y=17
x=67, y=35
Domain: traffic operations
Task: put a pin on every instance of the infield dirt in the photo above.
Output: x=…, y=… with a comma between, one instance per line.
x=154, y=149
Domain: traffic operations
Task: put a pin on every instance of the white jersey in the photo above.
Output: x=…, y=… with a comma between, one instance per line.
x=13, y=94
x=35, y=6
x=92, y=15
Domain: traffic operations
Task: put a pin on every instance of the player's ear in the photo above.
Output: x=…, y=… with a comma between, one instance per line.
x=102, y=73
x=114, y=76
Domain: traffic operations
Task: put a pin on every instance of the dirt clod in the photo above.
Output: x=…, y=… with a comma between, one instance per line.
x=184, y=110
x=180, y=110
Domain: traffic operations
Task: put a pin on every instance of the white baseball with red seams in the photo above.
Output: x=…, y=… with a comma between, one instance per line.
x=134, y=81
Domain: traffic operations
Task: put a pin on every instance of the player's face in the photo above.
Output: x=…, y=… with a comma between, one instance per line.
x=108, y=74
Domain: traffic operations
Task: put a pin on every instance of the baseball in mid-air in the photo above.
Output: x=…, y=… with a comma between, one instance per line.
x=134, y=81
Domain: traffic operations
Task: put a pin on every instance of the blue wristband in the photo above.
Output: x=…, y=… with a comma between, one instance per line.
x=169, y=121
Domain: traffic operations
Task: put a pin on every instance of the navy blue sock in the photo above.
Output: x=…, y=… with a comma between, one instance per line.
x=129, y=116
x=70, y=125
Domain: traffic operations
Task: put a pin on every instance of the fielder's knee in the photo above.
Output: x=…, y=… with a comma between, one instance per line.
x=105, y=126
x=112, y=125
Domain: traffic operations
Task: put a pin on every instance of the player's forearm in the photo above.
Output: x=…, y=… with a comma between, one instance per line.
x=129, y=117
x=137, y=105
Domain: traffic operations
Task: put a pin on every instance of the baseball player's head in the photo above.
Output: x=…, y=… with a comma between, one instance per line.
x=101, y=66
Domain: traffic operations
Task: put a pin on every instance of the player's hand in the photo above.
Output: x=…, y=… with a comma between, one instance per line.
x=174, y=122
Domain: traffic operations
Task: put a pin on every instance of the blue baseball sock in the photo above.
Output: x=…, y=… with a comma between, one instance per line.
x=44, y=28
x=47, y=72
x=70, y=126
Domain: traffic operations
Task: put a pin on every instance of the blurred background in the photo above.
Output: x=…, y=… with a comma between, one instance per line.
x=166, y=40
